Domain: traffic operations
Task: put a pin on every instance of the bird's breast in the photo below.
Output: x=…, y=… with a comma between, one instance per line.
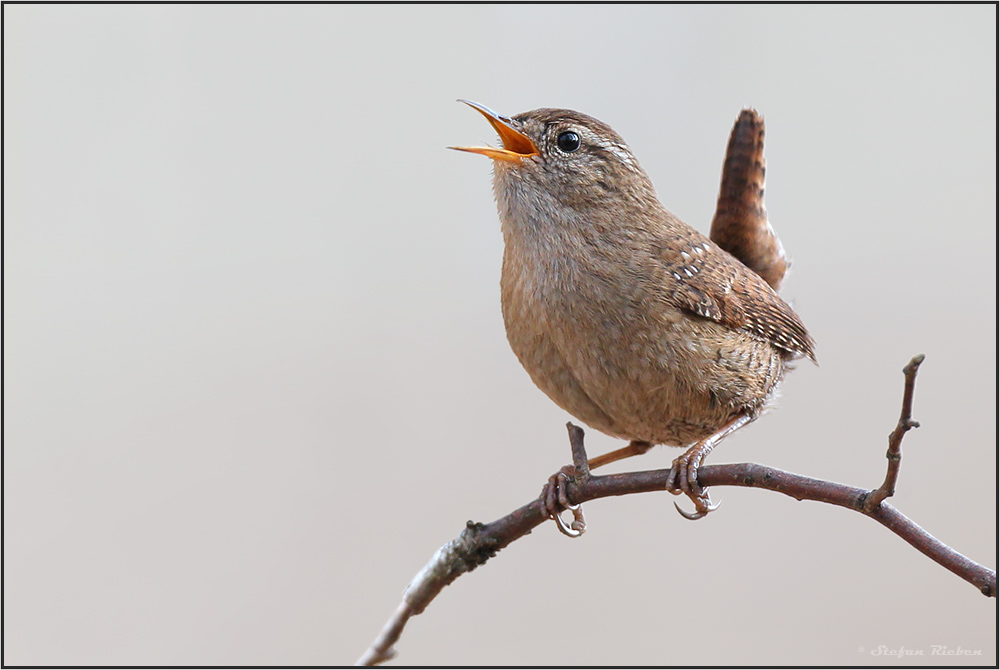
x=591, y=326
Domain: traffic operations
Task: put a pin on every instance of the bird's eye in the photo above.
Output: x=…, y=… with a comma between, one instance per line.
x=568, y=141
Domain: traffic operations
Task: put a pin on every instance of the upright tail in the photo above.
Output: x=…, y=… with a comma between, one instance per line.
x=740, y=225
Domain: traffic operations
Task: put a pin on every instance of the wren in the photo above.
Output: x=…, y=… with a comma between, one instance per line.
x=625, y=316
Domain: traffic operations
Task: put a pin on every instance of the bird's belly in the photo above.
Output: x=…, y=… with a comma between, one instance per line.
x=629, y=376
x=540, y=356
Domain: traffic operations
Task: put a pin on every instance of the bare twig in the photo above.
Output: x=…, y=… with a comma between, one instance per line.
x=580, y=461
x=479, y=542
x=893, y=454
x=463, y=554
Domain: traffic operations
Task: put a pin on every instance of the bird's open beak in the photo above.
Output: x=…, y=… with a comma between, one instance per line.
x=516, y=145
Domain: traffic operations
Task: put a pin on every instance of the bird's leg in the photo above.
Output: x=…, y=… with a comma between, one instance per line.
x=683, y=477
x=554, y=498
x=634, y=448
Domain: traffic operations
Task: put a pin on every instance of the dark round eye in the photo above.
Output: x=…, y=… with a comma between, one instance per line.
x=568, y=141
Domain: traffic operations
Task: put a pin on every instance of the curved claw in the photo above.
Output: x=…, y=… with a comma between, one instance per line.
x=701, y=508
x=575, y=529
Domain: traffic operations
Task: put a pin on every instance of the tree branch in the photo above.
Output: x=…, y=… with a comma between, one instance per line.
x=479, y=542
x=893, y=454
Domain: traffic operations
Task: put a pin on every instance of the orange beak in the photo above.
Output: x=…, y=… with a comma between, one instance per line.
x=516, y=145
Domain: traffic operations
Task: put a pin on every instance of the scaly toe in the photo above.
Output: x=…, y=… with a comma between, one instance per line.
x=692, y=476
x=683, y=477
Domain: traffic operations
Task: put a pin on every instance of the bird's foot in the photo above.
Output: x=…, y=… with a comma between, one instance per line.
x=683, y=478
x=554, y=497
x=555, y=501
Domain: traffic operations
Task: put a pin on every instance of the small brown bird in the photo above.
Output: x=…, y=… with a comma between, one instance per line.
x=625, y=316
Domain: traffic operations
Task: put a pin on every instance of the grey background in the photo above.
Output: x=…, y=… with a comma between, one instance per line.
x=255, y=370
